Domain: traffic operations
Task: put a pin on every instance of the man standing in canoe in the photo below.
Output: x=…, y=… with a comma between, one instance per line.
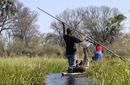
x=71, y=47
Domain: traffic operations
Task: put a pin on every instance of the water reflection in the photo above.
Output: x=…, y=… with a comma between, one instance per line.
x=58, y=79
x=70, y=81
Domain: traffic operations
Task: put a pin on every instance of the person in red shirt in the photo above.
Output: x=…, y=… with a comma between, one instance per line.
x=99, y=48
x=99, y=52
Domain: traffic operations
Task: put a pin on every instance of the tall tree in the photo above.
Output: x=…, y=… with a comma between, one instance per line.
x=25, y=24
x=7, y=11
x=92, y=21
x=96, y=23
x=113, y=27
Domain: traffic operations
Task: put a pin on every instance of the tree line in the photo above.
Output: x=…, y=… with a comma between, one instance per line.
x=19, y=34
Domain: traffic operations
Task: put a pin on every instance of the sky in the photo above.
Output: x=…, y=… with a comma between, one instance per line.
x=56, y=7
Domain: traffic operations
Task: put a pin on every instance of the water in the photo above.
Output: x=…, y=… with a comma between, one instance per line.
x=58, y=79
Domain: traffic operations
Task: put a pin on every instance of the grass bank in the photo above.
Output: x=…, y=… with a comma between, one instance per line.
x=32, y=71
x=114, y=72
x=28, y=71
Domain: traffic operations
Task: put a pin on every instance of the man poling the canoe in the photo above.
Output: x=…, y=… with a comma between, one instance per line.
x=71, y=50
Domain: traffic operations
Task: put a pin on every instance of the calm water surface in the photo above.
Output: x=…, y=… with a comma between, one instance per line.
x=58, y=79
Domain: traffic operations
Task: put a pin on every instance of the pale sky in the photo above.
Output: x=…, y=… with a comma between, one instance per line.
x=57, y=6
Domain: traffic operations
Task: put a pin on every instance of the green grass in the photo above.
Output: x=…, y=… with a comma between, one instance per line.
x=32, y=71
x=28, y=71
x=114, y=72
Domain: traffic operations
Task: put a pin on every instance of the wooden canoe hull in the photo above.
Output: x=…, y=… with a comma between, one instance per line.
x=71, y=74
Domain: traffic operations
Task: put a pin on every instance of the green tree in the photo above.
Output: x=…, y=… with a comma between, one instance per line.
x=23, y=32
x=25, y=24
x=7, y=11
x=113, y=27
x=2, y=46
x=91, y=21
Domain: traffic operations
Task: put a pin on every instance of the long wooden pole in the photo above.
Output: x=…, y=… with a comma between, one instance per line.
x=59, y=20
x=84, y=35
